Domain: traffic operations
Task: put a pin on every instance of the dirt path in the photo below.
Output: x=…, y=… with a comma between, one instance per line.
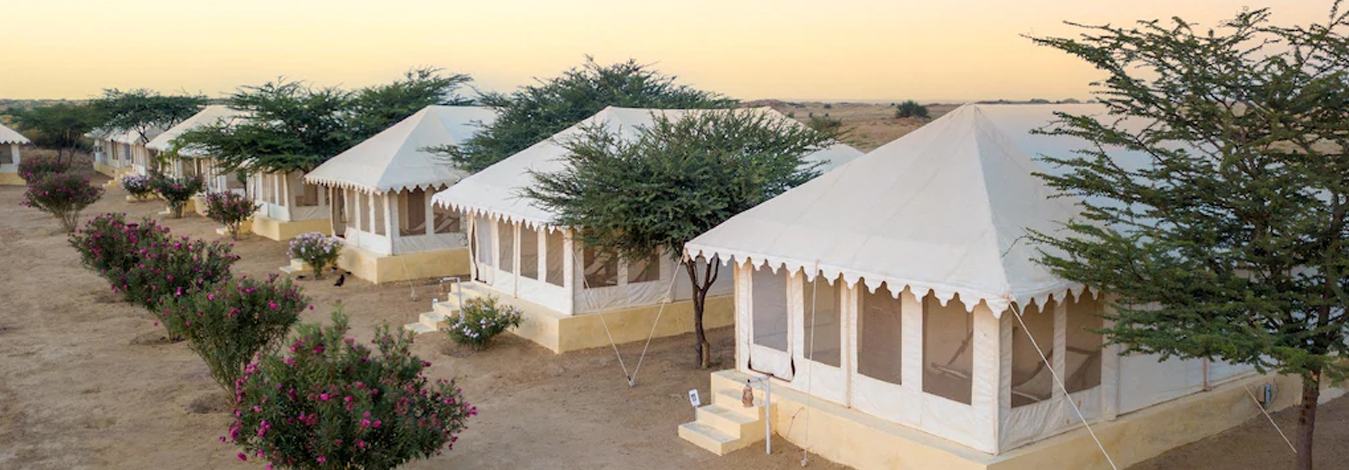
x=83, y=384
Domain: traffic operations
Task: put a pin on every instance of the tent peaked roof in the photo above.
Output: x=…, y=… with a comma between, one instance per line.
x=396, y=159
x=11, y=136
x=945, y=209
x=209, y=115
x=495, y=191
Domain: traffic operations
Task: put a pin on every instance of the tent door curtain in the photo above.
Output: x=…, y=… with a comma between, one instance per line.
x=339, y=211
x=770, y=326
x=818, y=336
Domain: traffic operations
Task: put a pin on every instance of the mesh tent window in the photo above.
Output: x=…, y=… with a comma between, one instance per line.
x=412, y=213
x=1032, y=380
x=554, y=254
x=879, y=335
x=446, y=221
x=483, y=234
x=601, y=269
x=948, y=350
x=644, y=269
x=6, y=154
x=380, y=207
x=1082, y=358
x=529, y=252
x=769, y=308
x=506, y=243
x=823, y=324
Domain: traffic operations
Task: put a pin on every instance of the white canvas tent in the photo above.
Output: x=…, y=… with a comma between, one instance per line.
x=380, y=187
x=10, y=155
x=546, y=266
x=885, y=286
x=194, y=161
x=131, y=147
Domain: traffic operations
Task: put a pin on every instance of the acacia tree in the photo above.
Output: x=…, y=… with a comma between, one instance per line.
x=143, y=110
x=60, y=126
x=294, y=126
x=1229, y=243
x=634, y=199
x=536, y=112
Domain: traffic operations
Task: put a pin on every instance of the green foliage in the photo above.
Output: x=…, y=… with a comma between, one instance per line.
x=108, y=244
x=1229, y=243
x=378, y=107
x=143, y=110
x=293, y=126
x=317, y=250
x=176, y=191
x=231, y=210
x=137, y=186
x=332, y=403
x=59, y=126
x=827, y=125
x=911, y=109
x=483, y=319
x=676, y=180
x=534, y=113
x=63, y=195
x=34, y=168
x=230, y=323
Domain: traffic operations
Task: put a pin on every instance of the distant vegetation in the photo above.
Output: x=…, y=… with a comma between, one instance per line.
x=911, y=109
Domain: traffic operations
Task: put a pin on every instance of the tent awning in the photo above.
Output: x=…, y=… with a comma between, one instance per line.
x=11, y=136
x=209, y=115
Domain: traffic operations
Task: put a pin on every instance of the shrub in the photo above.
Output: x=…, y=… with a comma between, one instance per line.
x=176, y=191
x=911, y=109
x=33, y=168
x=137, y=186
x=483, y=319
x=108, y=244
x=171, y=268
x=331, y=403
x=316, y=249
x=230, y=323
x=230, y=209
x=62, y=195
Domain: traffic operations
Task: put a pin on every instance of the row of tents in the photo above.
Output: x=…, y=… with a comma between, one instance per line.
x=895, y=296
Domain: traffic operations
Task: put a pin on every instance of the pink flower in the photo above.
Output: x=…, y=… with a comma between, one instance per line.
x=272, y=305
x=321, y=459
x=242, y=457
x=323, y=397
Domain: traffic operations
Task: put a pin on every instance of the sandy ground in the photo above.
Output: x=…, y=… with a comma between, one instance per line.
x=867, y=125
x=83, y=384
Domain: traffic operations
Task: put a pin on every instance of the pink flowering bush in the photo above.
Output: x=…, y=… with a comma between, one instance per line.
x=332, y=403
x=318, y=250
x=231, y=322
x=171, y=268
x=34, y=168
x=230, y=209
x=63, y=195
x=137, y=186
x=176, y=191
x=483, y=318
x=108, y=243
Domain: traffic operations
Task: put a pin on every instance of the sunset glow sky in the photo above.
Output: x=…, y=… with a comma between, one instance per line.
x=748, y=49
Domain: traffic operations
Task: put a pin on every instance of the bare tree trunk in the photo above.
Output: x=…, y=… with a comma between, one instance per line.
x=700, y=289
x=1306, y=421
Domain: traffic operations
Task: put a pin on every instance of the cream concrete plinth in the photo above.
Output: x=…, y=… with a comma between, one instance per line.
x=282, y=230
x=11, y=179
x=382, y=269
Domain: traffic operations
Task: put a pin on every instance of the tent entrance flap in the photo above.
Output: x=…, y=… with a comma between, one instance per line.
x=770, y=349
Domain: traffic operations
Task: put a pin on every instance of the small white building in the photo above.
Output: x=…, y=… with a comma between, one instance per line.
x=573, y=297
x=381, y=190
x=895, y=300
x=193, y=161
x=132, y=146
x=11, y=143
x=110, y=158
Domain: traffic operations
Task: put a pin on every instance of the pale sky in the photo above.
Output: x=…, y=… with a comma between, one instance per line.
x=748, y=49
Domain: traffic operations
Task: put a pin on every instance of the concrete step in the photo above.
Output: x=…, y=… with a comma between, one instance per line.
x=731, y=422
x=732, y=401
x=418, y=328
x=708, y=438
x=434, y=319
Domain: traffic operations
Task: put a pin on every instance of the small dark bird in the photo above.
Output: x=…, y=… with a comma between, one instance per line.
x=340, y=280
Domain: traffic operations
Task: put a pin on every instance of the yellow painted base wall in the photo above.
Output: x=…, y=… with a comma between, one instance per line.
x=859, y=440
x=245, y=228
x=563, y=333
x=111, y=171
x=198, y=204
x=11, y=179
x=381, y=269
x=282, y=231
